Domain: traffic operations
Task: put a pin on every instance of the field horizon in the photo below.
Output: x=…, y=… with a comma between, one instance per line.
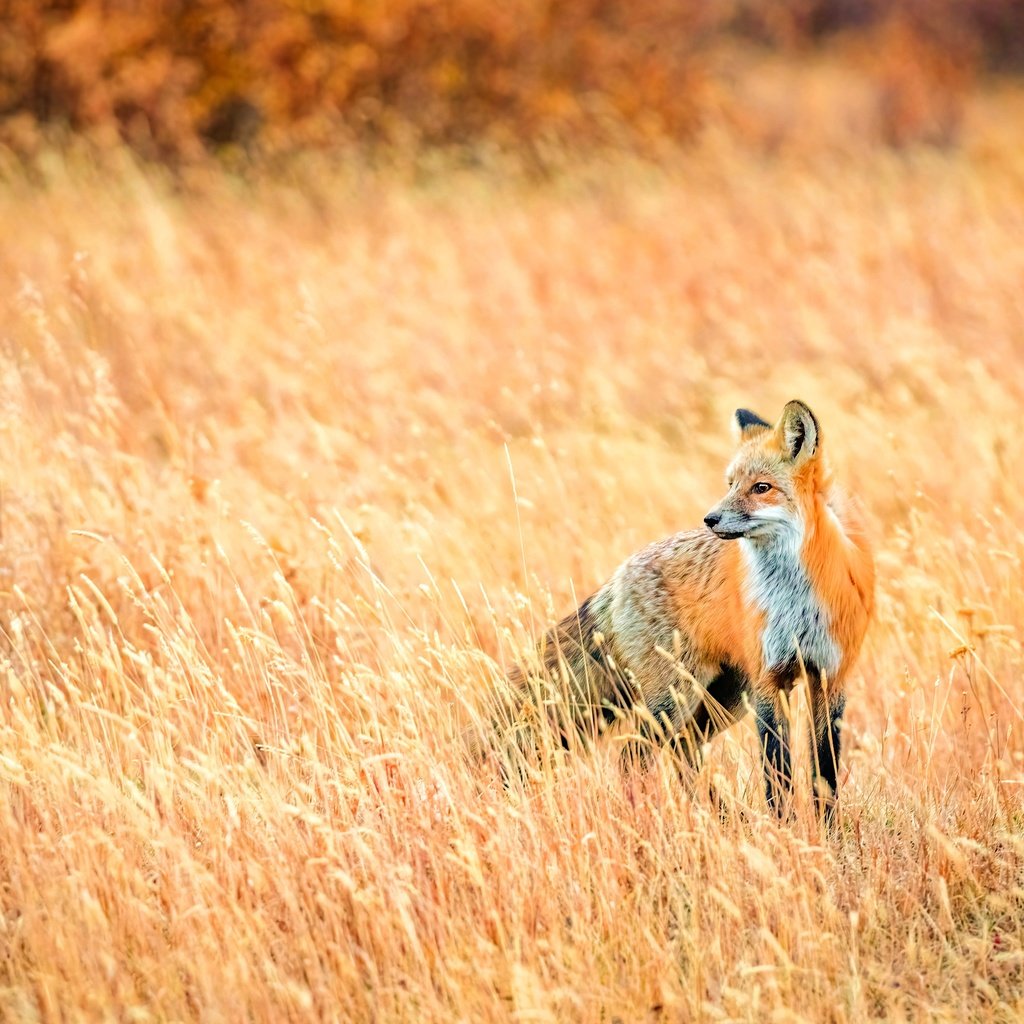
x=296, y=466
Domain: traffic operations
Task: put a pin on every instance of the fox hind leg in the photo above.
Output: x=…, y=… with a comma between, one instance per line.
x=685, y=730
x=723, y=703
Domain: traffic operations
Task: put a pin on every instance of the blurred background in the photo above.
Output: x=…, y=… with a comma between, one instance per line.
x=178, y=80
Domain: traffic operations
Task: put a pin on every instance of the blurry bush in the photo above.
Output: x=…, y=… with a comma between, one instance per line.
x=174, y=77
x=177, y=78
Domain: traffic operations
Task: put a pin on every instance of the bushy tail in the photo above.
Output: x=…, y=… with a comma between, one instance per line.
x=566, y=693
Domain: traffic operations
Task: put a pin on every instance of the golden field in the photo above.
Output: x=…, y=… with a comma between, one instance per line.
x=294, y=466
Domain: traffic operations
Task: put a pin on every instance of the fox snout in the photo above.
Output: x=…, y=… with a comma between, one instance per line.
x=725, y=523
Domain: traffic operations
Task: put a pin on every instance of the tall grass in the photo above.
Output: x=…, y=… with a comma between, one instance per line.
x=292, y=472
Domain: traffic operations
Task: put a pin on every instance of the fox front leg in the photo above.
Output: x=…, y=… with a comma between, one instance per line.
x=828, y=719
x=773, y=734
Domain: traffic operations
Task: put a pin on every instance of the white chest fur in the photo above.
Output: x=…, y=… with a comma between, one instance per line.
x=795, y=619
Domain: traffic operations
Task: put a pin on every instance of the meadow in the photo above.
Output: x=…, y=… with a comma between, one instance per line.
x=295, y=465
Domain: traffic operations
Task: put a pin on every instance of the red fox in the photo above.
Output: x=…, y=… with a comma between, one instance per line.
x=694, y=630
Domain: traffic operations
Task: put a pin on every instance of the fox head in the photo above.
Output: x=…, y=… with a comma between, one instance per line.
x=772, y=478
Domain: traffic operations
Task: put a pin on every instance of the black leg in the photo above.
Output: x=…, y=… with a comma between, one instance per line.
x=773, y=732
x=828, y=714
x=723, y=705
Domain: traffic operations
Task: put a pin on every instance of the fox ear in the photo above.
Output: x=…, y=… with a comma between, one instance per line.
x=799, y=433
x=749, y=423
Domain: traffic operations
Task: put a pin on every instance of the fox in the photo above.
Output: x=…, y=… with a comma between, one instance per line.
x=695, y=630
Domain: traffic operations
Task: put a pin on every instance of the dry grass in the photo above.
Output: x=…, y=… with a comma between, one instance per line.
x=261, y=563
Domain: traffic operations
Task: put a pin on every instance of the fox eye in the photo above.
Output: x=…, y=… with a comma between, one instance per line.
x=761, y=488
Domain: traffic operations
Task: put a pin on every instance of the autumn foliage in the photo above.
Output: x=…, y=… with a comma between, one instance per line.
x=177, y=79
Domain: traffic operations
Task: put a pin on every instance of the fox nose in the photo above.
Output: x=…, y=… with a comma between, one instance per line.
x=712, y=519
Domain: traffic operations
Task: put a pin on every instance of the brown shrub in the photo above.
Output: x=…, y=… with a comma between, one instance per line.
x=171, y=77
x=175, y=78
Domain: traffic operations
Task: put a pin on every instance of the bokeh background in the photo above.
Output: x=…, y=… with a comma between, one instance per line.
x=176, y=80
